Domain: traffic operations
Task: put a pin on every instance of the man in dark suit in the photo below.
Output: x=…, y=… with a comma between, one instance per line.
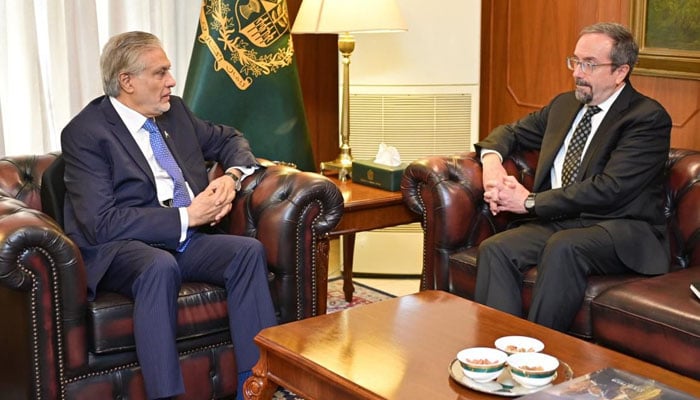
x=137, y=212
x=596, y=207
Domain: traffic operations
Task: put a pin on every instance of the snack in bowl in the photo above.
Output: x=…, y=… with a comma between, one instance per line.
x=532, y=369
x=519, y=344
x=482, y=364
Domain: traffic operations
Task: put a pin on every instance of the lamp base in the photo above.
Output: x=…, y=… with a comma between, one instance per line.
x=342, y=164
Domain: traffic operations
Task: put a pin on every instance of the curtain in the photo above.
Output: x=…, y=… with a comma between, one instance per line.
x=49, y=59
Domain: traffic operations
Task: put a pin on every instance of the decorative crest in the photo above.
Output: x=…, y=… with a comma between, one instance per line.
x=244, y=41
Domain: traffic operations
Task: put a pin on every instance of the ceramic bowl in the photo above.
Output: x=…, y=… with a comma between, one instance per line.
x=519, y=344
x=532, y=369
x=482, y=364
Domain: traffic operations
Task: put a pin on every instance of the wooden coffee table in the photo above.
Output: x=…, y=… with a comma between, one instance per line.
x=401, y=349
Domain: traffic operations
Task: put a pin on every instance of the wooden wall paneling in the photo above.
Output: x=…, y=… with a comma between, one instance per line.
x=535, y=58
x=681, y=98
x=526, y=57
x=524, y=44
x=487, y=63
x=317, y=61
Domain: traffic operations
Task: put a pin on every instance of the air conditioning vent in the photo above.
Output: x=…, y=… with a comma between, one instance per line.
x=418, y=125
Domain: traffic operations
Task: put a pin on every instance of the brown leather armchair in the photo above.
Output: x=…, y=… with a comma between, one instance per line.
x=623, y=312
x=57, y=345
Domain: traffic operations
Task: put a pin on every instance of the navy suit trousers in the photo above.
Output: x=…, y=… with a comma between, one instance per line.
x=152, y=277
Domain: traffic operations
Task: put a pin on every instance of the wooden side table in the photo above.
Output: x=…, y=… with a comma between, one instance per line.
x=366, y=208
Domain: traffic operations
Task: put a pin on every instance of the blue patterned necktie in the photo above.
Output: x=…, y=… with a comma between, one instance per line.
x=572, y=160
x=181, y=197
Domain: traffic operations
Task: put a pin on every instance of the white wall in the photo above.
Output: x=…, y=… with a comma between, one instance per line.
x=441, y=47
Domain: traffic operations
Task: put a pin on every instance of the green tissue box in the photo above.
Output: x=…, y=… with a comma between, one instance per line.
x=378, y=175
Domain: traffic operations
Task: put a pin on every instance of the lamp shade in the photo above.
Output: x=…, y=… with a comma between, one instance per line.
x=341, y=16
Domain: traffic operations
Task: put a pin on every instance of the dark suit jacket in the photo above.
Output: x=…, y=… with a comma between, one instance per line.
x=110, y=189
x=620, y=183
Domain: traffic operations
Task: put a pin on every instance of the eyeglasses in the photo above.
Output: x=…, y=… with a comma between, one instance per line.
x=587, y=67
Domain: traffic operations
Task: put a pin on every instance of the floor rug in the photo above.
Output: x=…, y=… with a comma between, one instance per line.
x=363, y=294
x=336, y=302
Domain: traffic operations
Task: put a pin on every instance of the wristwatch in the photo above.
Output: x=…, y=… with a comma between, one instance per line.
x=236, y=180
x=530, y=203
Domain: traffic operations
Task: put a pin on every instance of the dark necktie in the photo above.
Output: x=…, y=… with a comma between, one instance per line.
x=181, y=198
x=572, y=160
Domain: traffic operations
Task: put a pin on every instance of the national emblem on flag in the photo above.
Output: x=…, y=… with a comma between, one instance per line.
x=243, y=73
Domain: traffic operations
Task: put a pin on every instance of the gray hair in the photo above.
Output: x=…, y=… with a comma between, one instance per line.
x=624, y=50
x=122, y=54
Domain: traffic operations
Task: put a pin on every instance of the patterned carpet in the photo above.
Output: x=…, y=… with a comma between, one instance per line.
x=363, y=295
x=336, y=302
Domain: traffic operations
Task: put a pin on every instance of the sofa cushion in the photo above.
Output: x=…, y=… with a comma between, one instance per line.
x=655, y=319
x=462, y=278
x=201, y=312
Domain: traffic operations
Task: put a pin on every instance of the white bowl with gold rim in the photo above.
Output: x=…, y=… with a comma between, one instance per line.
x=519, y=344
x=532, y=369
x=482, y=364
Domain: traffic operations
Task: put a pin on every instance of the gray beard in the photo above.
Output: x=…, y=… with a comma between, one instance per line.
x=582, y=96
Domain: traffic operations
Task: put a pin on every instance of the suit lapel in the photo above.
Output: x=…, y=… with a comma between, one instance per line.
x=558, y=127
x=123, y=136
x=603, y=133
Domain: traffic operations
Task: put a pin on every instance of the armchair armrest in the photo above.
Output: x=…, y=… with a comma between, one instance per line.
x=447, y=192
x=291, y=212
x=42, y=290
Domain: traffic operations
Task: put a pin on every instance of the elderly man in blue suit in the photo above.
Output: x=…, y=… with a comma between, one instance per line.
x=596, y=207
x=138, y=203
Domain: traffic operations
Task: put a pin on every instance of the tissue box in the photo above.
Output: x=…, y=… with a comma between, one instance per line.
x=378, y=175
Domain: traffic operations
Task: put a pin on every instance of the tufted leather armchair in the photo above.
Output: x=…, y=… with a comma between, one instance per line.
x=623, y=312
x=57, y=345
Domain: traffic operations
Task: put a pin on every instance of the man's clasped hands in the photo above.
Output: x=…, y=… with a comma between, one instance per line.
x=502, y=191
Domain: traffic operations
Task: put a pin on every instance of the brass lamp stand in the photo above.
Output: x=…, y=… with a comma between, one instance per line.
x=343, y=163
x=344, y=17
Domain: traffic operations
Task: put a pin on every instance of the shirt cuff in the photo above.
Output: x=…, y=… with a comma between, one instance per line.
x=184, y=222
x=245, y=171
x=487, y=151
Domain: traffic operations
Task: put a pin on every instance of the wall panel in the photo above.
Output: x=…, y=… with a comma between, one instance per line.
x=317, y=60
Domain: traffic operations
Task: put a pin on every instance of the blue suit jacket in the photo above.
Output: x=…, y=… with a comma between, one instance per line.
x=620, y=185
x=110, y=189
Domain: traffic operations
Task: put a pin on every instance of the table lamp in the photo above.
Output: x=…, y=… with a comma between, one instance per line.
x=346, y=17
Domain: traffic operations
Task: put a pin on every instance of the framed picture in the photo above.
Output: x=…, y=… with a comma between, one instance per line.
x=669, y=38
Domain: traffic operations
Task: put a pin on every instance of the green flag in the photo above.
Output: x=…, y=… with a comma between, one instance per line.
x=243, y=73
